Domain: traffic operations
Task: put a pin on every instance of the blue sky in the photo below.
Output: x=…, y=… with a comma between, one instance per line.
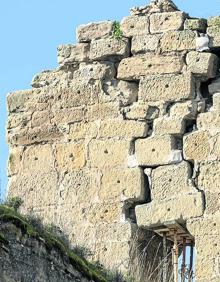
x=31, y=30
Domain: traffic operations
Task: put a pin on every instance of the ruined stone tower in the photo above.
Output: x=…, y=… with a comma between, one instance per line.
x=125, y=135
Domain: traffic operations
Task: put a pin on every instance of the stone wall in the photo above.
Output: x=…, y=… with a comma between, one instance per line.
x=125, y=133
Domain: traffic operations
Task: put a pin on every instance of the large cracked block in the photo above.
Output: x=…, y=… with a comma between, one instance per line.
x=108, y=153
x=122, y=128
x=69, y=54
x=178, y=41
x=70, y=156
x=135, y=67
x=169, y=125
x=37, y=156
x=122, y=184
x=111, y=47
x=204, y=65
x=135, y=25
x=167, y=88
x=196, y=146
x=162, y=22
x=170, y=181
x=145, y=43
x=209, y=176
x=156, y=150
x=88, y=32
x=184, y=207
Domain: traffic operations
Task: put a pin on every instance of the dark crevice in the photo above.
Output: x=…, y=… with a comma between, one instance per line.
x=190, y=125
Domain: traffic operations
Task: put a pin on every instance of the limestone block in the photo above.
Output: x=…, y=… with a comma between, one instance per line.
x=18, y=120
x=167, y=88
x=81, y=130
x=37, y=157
x=135, y=25
x=108, y=48
x=209, y=176
x=169, y=125
x=214, y=86
x=124, y=92
x=202, y=64
x=121, y=128
x=212, y=202
x=181, y=208
x=68, y=116
x=104, y=212
x=139, y=111
x=155, y=150
x=216, y=102
x=17, y=101
x=196, y=24
x=40, y=118
x=145, y=43
x=122, y=184
x=170, y=181
x=166, y=21
x=36, y=135
x=183, y=110
x=214, y=35
x=69, y=54
x=135, y=67
x=108, y=153
x=215, y=147
x=95, y=70
x=78, y=94
x=209, y=121
x=14, y=160
x=88, y=32
x=196, y=146
x=102, y=111
x=214, y=21
x=178, y=41
x=36, y=189
x=70, y=156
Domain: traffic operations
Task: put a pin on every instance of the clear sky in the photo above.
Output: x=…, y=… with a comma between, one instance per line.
x=30, y=31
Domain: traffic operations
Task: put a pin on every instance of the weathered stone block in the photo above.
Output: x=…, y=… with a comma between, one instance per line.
x=209, y=176
x=70, y=156
x=183, y=110
x=162, y=22
x=109, y=48
x=104, y=212
x=155, y=151
x=139, y=111
x=209, y=121
x=169, y=125
x=214, y=35
x=17, y=101
x=122, y=184
x=145, y=43
x=69, y=54
x=178, y=41
x=196, y=24
x=167, y=88
x=202, y=64
x=181, y=208
x=88, y=32
x=40, y=118
x=135, y=25
x=108, y=153
x=103, y=111
x=18, y=120
x=214, y=21
x=170, y=181
x=68, y=116
x=135, y=67
x=214, y=86
x=37, y=157
x=118, y=90
x=196, y=146
x=216, y=102
x=81, y=130
x=14, y=160
x=127, y=129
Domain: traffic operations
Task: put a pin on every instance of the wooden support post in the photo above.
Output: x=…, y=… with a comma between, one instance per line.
x=191, y=263
x=176, y=256
x=164, y=257
x=183, y=267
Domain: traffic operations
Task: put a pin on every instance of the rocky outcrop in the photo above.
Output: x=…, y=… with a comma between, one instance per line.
x=124, y=134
